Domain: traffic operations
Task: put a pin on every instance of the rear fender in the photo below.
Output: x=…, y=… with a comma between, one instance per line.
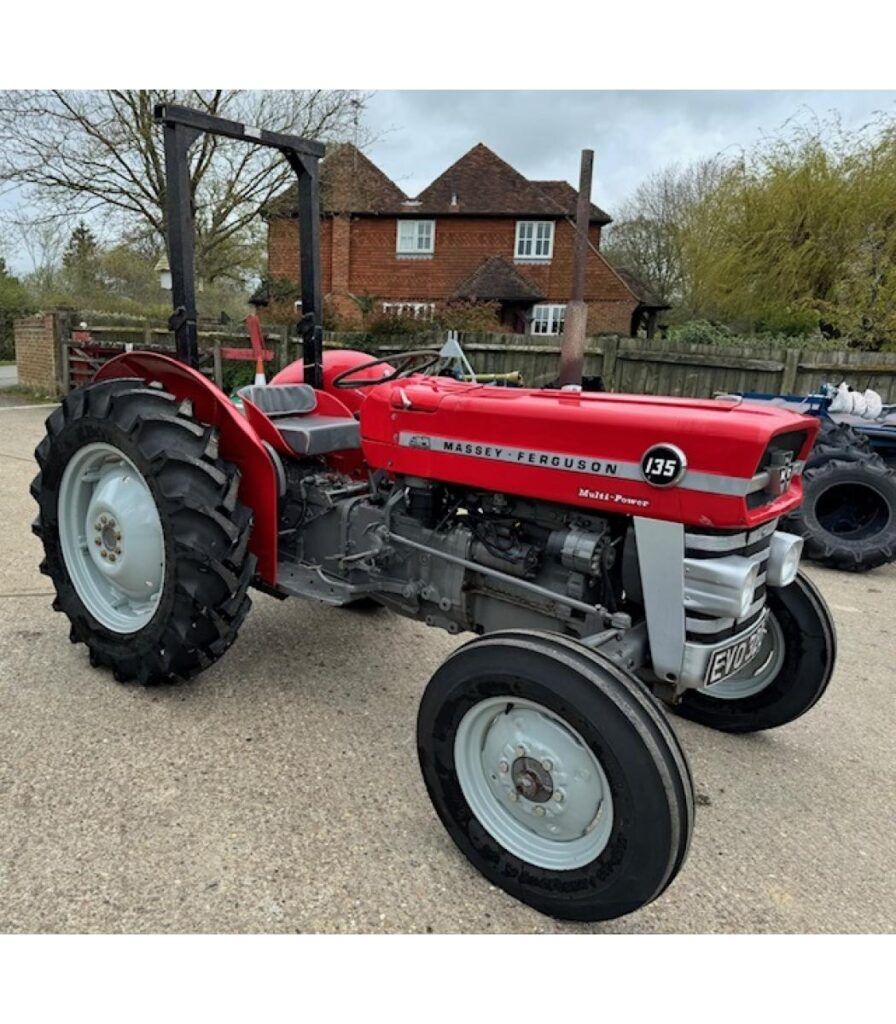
x=237, y=441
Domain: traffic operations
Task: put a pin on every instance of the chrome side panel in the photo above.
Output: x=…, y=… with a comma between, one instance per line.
x=661, y=559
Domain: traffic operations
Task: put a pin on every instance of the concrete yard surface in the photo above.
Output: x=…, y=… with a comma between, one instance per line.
x=280, y=792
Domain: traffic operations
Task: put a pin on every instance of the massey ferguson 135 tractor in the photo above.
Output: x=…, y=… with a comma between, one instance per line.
x=604, y=551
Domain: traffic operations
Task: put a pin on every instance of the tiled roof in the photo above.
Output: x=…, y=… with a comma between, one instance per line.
x=498, y=279
x=480, y=183
x=349, y=183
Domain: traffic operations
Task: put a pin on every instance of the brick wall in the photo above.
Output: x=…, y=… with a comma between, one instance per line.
x=37, y=353
x=358, y=256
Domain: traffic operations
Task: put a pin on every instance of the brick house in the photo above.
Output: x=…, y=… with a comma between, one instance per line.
x=481, y=232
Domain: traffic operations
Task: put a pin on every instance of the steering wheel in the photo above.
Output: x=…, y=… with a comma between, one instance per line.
x=405, y=364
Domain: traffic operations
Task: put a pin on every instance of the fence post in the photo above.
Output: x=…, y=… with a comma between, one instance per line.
x=63, y=336
x=610, y=347
x=791, y=365
x=284, y=346
x=147, y=333
x=216, y=355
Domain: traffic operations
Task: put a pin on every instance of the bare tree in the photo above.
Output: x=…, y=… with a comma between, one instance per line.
x=100, y=151
x=650, y=231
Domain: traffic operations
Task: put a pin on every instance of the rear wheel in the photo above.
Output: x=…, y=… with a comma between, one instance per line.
x=556, y=775
x=144, y=538
x=785, y=679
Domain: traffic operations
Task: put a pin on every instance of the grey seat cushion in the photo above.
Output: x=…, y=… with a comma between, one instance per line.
x=277, y=400
x=318, y=435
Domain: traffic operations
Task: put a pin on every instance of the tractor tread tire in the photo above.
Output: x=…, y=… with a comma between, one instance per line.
x=828, y=548
x=204, y=598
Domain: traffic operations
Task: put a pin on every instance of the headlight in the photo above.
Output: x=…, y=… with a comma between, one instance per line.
x=720, y=586
x=783, y=559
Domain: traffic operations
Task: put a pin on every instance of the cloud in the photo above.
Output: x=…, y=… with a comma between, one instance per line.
x=633, y=133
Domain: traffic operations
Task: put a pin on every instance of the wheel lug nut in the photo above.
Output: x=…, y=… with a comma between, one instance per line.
x=503, y=767
x=104, y=553
x=520, y=751
x=112, y=556
x=558, y=796
x=539, y=810
x=547, y=765
x=97, y=541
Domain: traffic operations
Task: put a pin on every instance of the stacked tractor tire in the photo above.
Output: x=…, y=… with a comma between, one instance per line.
x=848, y=514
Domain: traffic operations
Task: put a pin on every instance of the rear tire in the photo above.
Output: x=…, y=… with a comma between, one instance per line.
x=800, y=672
x=848, y=514
x=555, y=717
x=127, y=473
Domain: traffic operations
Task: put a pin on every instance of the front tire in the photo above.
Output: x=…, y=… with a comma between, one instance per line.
x=556, y=775
x=145, y=541
x=785, y=680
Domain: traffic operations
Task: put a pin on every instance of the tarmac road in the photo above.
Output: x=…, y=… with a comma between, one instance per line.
x=280, y=792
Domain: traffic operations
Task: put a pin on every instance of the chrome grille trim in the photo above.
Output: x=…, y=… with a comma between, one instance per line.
x=712, y=629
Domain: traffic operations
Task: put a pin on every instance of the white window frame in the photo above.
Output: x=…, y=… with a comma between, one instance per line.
x=534, y=240
x=412, y=309
x=548, y=318
x=415, y=237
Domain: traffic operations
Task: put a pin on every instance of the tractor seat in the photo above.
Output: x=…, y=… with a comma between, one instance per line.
x=291, y=407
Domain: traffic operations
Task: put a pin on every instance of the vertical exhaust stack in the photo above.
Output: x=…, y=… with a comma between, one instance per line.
x=572, y=348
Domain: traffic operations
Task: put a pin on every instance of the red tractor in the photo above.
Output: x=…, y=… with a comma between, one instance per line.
x=609, y=554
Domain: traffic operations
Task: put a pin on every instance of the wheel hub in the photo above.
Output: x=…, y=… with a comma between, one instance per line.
x=533, y=783
x=111, y=536
x=531, y=780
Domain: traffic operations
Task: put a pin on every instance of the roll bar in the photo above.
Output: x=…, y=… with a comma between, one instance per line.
x=181, y=127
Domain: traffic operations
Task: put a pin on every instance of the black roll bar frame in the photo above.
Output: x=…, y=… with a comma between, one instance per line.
x=182, y=126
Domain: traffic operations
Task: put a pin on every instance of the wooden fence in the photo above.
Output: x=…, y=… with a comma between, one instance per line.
x=654, y=367
x=626, y=364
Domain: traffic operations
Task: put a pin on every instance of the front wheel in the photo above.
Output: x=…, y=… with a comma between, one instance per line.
x=785, y=679
x=556, y=775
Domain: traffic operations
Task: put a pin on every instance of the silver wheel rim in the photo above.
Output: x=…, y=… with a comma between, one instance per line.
x=756, y=676
x=533, y=783
x=111, y=537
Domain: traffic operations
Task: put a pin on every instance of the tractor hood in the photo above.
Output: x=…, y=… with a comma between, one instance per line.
x=715, y=463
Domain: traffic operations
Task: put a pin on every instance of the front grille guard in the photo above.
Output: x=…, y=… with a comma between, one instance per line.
x=682, y=636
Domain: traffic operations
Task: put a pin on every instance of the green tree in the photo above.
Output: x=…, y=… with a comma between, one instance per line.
x=14, y=302
x=81, y=260
x=796, y=233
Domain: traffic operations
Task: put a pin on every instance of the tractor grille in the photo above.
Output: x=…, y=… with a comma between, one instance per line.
x=792, y=442
x=753, y=544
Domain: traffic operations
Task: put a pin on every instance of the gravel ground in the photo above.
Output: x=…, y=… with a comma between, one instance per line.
x=279, y=791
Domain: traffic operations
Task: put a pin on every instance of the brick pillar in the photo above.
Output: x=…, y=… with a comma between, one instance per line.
x=37, y=353
x=340, y=266
x=340, y=254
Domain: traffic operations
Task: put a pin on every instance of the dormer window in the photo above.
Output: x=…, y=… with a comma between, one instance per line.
x=415, y=237
x=534, y=239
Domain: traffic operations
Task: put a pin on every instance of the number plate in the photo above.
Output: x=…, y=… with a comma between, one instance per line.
x=731, y=658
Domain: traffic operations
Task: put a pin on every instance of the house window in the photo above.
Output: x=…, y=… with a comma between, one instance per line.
x=548, y=319
x=413, y=310
x=415, y=237
x=534, y=239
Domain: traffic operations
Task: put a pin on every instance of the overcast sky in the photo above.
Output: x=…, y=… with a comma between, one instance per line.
x=542, y=133
x=419, y=134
